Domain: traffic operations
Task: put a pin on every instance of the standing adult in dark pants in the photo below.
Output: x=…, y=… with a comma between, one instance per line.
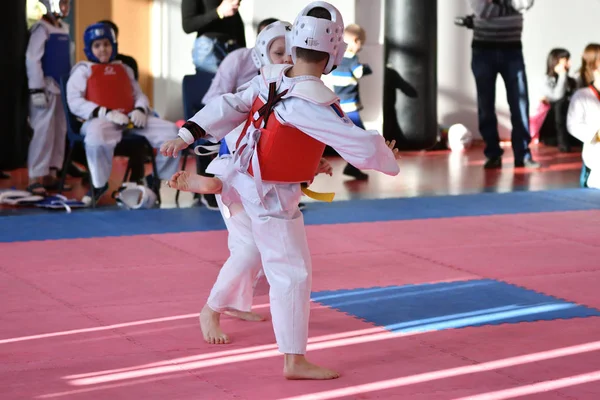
x=220, y=30
x=497, y=49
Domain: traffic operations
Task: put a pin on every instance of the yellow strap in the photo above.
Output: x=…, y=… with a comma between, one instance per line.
x=328, y=197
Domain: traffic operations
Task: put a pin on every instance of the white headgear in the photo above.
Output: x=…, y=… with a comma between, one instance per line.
x=52, y=6
x=459, y=137
x=275, y=30
x=318, y=34
x=133, y=196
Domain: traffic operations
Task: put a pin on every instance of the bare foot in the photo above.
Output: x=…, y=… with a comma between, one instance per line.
x=188, y=182
x=244, y=315
x=297, y=367
x=210, y=325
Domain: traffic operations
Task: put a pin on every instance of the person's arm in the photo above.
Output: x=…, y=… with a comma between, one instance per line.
x=557, y=91
x=195, y=17
x=328, y=124
x=33, y=57
x=359, y=70
x=519, y=5
x=582, y=123
x=221, y=115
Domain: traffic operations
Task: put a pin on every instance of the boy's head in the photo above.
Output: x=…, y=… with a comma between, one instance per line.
x=57, y=8
x=317, y=36
x=355, y=36
x=100, y=43
x=270, y=45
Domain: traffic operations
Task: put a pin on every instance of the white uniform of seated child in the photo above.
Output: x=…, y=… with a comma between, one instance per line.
x=104, y=93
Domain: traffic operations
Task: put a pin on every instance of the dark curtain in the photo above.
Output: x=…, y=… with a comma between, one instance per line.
x=14, y=129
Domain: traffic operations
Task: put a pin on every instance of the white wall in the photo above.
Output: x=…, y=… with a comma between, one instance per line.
x=550, y=23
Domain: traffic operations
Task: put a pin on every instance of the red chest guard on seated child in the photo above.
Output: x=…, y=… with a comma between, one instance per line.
x=109, y=86
x=285, y=153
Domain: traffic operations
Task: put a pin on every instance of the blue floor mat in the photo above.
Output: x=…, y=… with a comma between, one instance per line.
x=101, y=223
x=439, y=306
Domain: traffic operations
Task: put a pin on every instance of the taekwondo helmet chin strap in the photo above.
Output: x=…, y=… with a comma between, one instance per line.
x=318, y=34
x=260, y=52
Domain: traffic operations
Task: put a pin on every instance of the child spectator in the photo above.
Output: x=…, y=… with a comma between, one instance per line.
x=104, y=93
x=557, y=90
x=344, y=80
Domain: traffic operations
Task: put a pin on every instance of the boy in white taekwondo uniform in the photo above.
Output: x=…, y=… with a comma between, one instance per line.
x=269, y=49
x=105, y=94
x=48, y=57
x=290, y=116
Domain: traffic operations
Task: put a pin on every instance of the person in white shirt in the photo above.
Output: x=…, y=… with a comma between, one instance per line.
x=583, y=118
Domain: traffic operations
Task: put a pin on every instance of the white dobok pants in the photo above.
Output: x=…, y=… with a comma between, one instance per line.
x=102, y=136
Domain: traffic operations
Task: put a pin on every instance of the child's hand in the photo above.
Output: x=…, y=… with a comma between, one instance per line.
x=324, y=167
x=545, y=100
x=391, y=145
x=173, y=147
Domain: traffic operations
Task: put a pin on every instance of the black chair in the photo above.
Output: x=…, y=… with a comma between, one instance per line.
x=74, y=138
x=194, y=87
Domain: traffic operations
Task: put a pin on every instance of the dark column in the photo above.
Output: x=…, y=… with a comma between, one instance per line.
x=13, y=81
x=410, y=79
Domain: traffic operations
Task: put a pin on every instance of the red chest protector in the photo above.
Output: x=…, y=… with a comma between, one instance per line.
x=109, y=86
x=285, y=154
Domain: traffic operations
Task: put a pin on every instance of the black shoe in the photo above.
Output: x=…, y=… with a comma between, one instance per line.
x=528, y=163
x=301, y=206
x=210, y=201
x=96, y=192
x=356, y=173
x=72, y=170
x=493, y=163
x=75, y=171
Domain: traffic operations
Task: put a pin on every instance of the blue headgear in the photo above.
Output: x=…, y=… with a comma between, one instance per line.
x=95, y=32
